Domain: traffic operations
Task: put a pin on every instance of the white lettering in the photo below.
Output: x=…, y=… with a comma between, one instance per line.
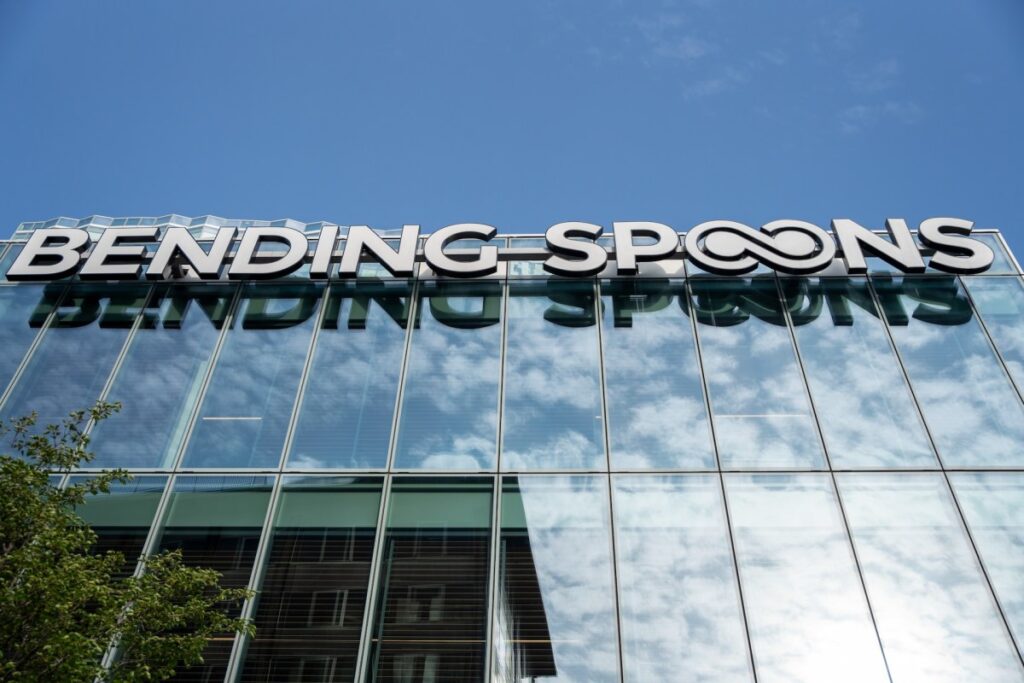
x=71, y=242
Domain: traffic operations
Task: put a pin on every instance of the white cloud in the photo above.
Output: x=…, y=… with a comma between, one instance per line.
x=727, y=78
x=670, y=37
x=859, y=117
x=880, y=76
x=841, y=32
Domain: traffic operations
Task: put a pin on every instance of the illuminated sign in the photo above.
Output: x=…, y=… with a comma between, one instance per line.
x=570, y=249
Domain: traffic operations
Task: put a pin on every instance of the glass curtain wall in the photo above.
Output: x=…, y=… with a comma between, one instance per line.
x=216, y=522
x=8, y=259
x=679, y=599
x=656, y=410
x=808, y=615
x=379, y=403
x=247, y=407
x=312, y=597
x=122, y=518
x=23, y=312
x=1000, y=302
x=431, y=615
x=759, y=404
x=160, y=378
x=975, y=417
x=348, y=403
x=863, y=404
x=69, y=368
x=992, y=505
x=936, y=616
x=553, y=411
x=449, y=417
x=555, y=610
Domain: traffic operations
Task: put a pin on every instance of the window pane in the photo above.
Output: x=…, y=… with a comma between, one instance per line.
x=808, y=617
x=122, y=518
x=1000, y=302
x=349, y=399
x=9, y=257
x=450, y=403
x=23, y=311
x=655, y=401
x=975, y=416
x=311, y=602
x=555, y=618
x=245, y=413
x=758, y=401
x=77, y=352
x=161, y=376
x=431, y=620
x=553, y=414
x=936, y=617
x=216, y=522
x=993, y=503
x=866, y=411
x=680, y=609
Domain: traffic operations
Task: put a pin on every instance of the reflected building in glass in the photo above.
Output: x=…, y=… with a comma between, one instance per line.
x=673, y=476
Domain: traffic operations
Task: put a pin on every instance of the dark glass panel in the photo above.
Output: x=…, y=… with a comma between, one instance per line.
x=431, y=616
x=313, y=596
x=71, y=365
x=122, y=518
x=349, y=399
x=161, y=376
x=216, y=522
x=449, y=413
x=245, y=414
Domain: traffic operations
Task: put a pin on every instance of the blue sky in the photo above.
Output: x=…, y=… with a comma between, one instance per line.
x=519, y=114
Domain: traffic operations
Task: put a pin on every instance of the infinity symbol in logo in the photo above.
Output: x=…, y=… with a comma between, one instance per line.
x=731, y=248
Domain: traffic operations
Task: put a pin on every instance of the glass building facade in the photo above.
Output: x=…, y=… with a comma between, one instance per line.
x=527, y=478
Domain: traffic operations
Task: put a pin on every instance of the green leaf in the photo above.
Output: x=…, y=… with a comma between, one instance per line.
x=62, y=604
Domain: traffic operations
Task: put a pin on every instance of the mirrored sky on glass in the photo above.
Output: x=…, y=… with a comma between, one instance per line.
x=517, y=114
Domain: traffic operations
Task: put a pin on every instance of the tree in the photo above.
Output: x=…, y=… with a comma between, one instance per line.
x=63, y=605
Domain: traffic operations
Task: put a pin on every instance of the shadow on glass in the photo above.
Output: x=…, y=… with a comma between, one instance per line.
x=312, y=598
x=431, y=614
